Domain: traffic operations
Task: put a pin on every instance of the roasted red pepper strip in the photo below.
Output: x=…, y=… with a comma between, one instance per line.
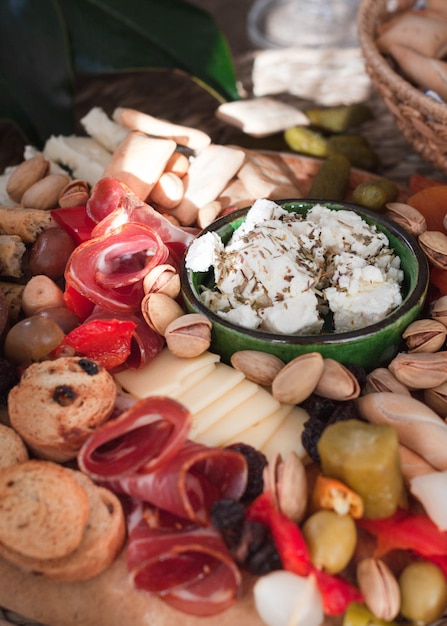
x=77, y=303
x=289, y=541
x=75, y=221
x=336, y=592
x=107, y=342
x=407, y=532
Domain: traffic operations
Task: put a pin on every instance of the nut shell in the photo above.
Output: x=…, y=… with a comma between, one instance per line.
x=297, y=380
x=189, y=335
x=259, y=367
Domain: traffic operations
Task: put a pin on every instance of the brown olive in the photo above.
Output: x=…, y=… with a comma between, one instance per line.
x=423, y=590
x=331, y=539
x=65, y=318
x=50, y=253
x=32, y=339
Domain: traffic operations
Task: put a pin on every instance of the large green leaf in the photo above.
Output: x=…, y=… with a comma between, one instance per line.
x=45, y=44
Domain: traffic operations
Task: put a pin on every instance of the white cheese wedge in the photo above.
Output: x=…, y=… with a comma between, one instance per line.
x=211, y=388
x=247, y=414
x=287, y=438
x=212, y=413
x=258, y=434
x=167, y=375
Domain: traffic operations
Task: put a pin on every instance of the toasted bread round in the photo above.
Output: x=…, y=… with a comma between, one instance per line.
x=12, y=448
x=43, y=509
x=103, y=538
x=58, y=404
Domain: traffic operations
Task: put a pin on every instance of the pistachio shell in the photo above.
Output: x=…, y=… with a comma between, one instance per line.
x=407, y=216
x=421, y=370
x=425, y=335
x=189, y=335
x=159, y=311
x=379, y=587
x=259, y=367
x=76, y=193
x=337, y=382
x=297, y=380
x=434, y=244
x=436, y=399
x=287, y=480
x=439, y=310
x=381, y=379
x=162, y=279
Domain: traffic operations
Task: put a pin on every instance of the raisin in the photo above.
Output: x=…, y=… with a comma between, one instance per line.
x=256, y=462
x=228, y=517
x=9, y=377
x=312, y=431
x=344, y=411
x=359, y=372
x=319, y=407
x=264, y=559
x=90, y=367
x=64, y=395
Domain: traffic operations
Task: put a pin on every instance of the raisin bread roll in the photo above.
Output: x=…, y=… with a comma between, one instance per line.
x=43, y=509
x=102, y=540
x=12, y=447
x=58, y=404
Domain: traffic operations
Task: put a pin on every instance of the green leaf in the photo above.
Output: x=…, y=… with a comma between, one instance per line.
x=45, y=44
x=36, y=80
x=149, y=34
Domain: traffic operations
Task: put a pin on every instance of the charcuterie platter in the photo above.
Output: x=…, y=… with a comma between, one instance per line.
x=208, y=405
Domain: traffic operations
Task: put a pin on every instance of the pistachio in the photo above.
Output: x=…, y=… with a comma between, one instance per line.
x=436, y=399
x=189, y=335
x=337, y=382
x=439, y=310
x=259, y=367
x=434, y=244
x=425, y=335
x=420, y=370
x=75, y=193
x=406, y=216
x=381, y=379
x=379, y=587
x=297, y=380
x=44, y=194
x=287, y=480
x=25, y=175
x=159, y=310
x=162, y=279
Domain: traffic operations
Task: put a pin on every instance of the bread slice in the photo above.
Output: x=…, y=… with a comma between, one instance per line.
x=43, y=509
x=58, y=404
x=12, y=251
x=103, y=539
x=25, y=223
x=12, y=447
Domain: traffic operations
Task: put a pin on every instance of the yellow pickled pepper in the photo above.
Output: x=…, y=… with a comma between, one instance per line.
x=366, y=457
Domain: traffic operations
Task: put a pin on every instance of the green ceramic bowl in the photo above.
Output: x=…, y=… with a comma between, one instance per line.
x=369, y=347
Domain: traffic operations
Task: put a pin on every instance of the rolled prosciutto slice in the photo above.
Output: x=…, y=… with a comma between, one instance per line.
x=146, y=435
x=189, y=482
x=188, y=566
x=109, y=269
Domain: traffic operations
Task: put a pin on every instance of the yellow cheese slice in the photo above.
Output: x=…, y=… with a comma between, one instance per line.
x=212, y=413
x=211, y=388
x=167, y=375
x=258, y=434
x=256, y=408
x=287, y=437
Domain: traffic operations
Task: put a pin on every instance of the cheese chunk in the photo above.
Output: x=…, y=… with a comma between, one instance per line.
x=211, y=388
x=253, y=410
x=258, y=434
x=167, y=375
x=287, y=437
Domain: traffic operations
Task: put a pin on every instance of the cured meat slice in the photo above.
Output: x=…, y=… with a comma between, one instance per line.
x=146, y=435
x=189, y=482
x=109, y=269
x=188, y=566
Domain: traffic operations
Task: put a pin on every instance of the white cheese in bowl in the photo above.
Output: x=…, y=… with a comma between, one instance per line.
x=282, y=271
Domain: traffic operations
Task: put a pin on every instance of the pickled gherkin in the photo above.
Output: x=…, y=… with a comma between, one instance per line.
x=376, y=194
x=307, y=141
x=366, y=457
x=331, y=180
x=355, y=148
x=337, y=119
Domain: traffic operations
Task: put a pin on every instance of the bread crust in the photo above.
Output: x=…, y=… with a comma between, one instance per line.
x=58, y=404
x=102, y=540
x=12, y=447
x=43, y=509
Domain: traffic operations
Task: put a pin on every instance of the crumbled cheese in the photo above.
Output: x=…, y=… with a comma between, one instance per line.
x=281, y=271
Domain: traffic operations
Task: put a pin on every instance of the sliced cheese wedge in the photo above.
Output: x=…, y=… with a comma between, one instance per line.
x=212, y=413
x=167, y=375
x=258, y=434
x=287, y=437
x=211, y=388
x=256, y=408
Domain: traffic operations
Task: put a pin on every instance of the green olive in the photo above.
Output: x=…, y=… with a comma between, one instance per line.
x=331, y=539
x=32, y=339
x=423, y=592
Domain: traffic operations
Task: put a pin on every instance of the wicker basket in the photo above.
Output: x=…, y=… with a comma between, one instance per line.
x=421, y=119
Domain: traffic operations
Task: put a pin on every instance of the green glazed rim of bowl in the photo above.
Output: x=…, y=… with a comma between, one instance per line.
x=413, y=263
